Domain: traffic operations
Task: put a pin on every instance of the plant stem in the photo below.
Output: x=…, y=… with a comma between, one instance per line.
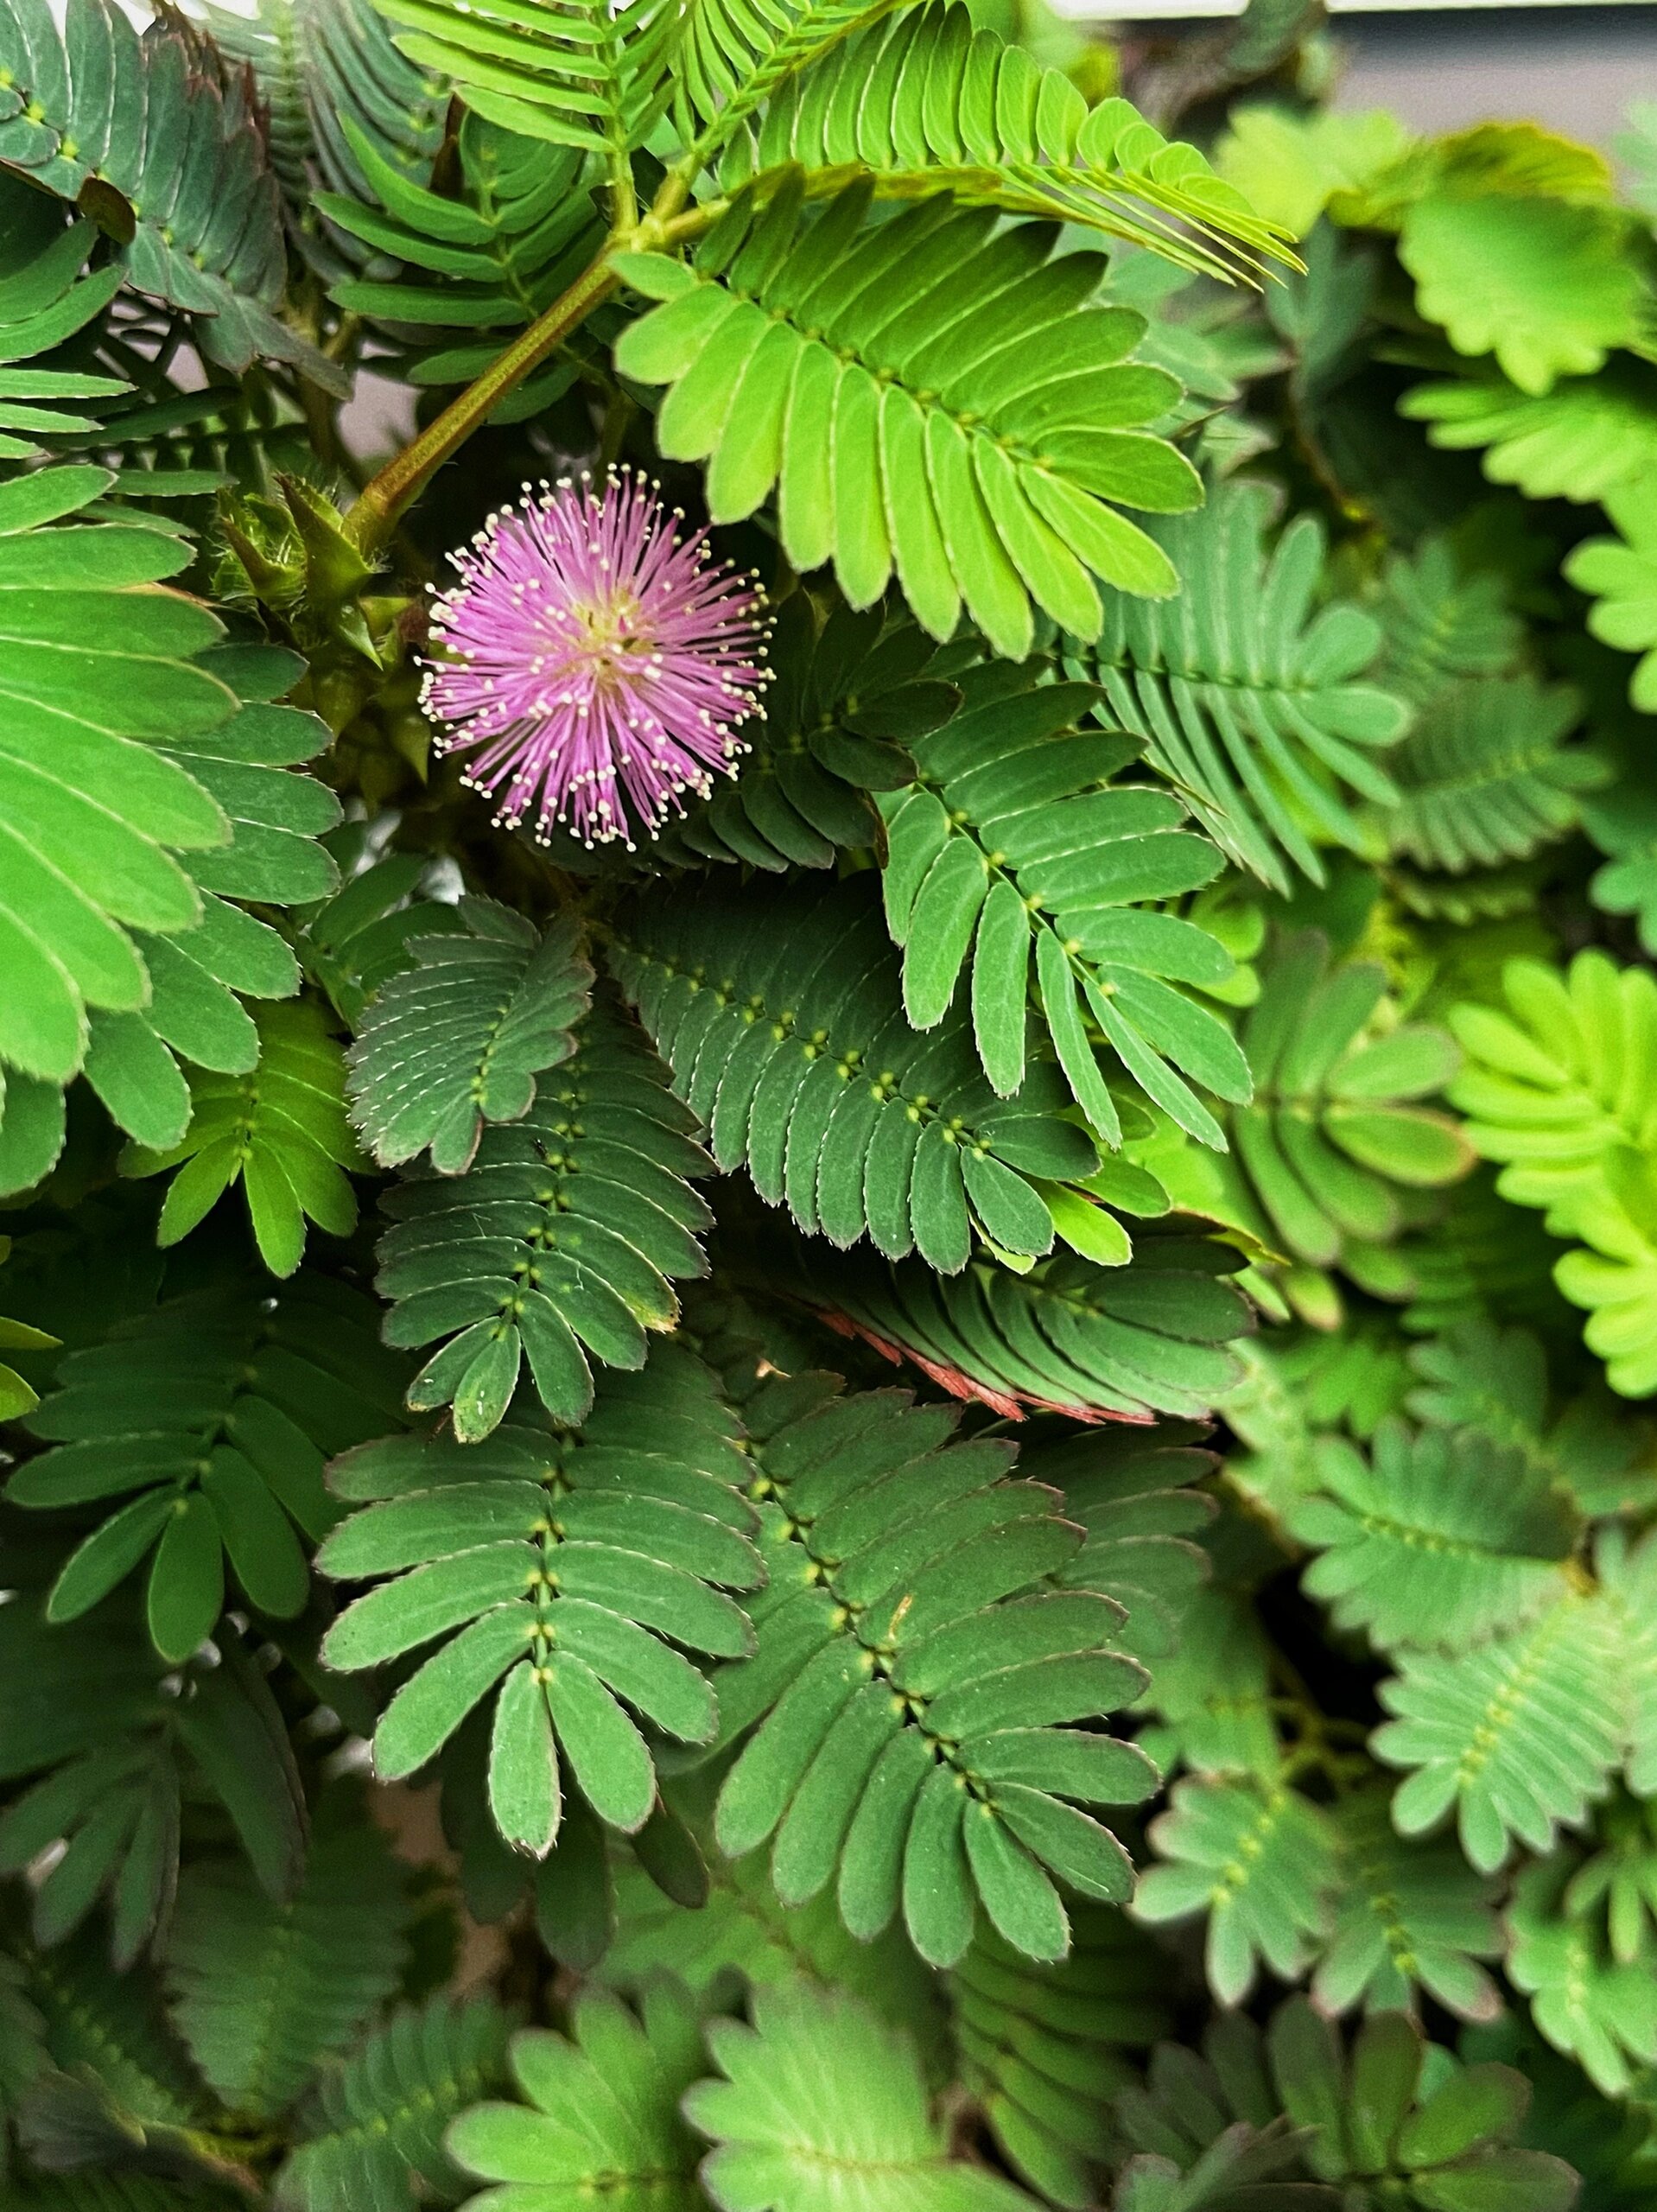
x=385, y=496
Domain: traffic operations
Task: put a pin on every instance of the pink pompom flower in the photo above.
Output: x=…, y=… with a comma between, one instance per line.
x=596, y=663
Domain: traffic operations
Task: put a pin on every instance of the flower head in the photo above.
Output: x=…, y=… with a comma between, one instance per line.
x=597, y=664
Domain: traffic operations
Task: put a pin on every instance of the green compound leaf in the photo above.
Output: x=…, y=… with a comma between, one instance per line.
x=1251, y=704
x=95, y=668
x=950, y=107
x=780, y=1015
x=781, y=349
x=564, y=1569
x=1595, y=2007
x=559, y=1246
x=160, y=120
x=279, y=1130
x=1042, y=2047
x=600, y=2112
x=1261, y=1861
x=1092, y=1343
x=1621, y=575
x=1439, y=1539
x=926, y=1640
x=1015, y=846
x=376, y=2129
x=458, y=1038
x=1335, y=1128
x=742, y=1931
x=1407, y=1917
x=1485, y=775
x=263, y=1992
x=449, y=280
x=327, y=72
x=850, y=690
x=1546, y=288
x=1586, y=439
x=1516, y=1737
x=822, y=2104
x=106, y=1745
x=1591, y=1450
x=562, y=71
x=214, y=1412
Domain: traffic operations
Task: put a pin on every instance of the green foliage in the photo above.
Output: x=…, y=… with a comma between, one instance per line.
x=1557, y=1091
x=1251, y=704
x=850, y=690
x=278, y=1128
x=1145, y=1338
x=1013, y=847
x=557, y=1567
x=325, y=68
x=1258, y=1859
x=821, y=2105
x=1373, y=2125
x=212, y=1416
x=917, y=1685
x=1495, y=271
x=949, y=106
x=263, y=1991
x=556, y=70
x=1438, y=1538
x=1584, y=440
x=1620, y=574
x=157, y=122
x=805, y=1071
x=142, y=798
x=785, y=361
x=473, y=271
x=377, y=2130
x=1333, y=1140
x=563, y=1239
x=458, y=1038
x=1168, y=973
x=104, y=1747
x=602, y=2111
x=1039, y=2046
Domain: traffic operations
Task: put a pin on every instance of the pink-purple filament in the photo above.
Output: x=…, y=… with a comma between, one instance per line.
x=597, y=661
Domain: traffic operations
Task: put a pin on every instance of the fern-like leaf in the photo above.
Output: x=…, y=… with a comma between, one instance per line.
x=1255, y=707
x=561, y=70
x=107, y=1744
x=1015, y=849
x=376, y=2133
x=1095, y=1344
x=457, y=1039
x=279, y=1129
x=263, y=1993
x=1040, y=2047
x=599, y=2112
x=819, y=2086
x=1440, y=1539
x=913, y=1744
x=979, y=468
x=213, y=1417
x=562, y=1240
x=1586, y=439
x=780, y=1016
x=1517, y=1736
x=1260, y=1859
x=565, y=1565
x=190, y=145
x=473, y=271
